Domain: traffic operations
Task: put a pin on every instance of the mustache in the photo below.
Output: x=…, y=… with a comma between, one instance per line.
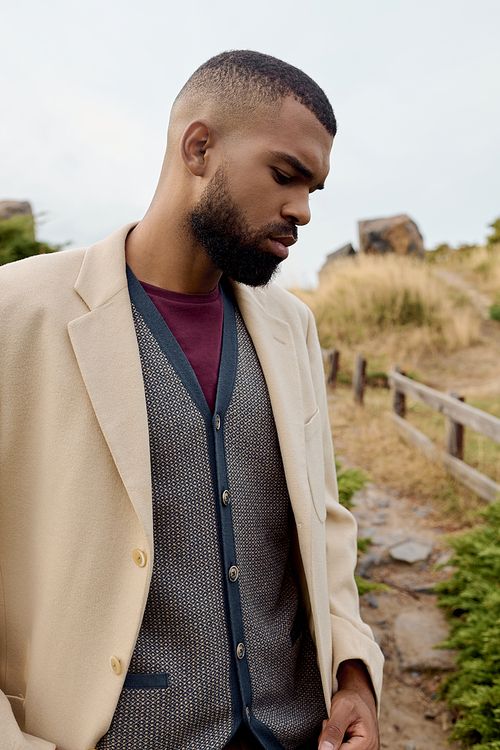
x=282, y=229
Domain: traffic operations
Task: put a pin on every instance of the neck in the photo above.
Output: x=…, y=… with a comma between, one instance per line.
x=161, y=251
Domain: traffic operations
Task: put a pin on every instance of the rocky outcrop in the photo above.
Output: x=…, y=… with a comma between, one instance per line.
x=14, y=208
x=396, y=234
x=342, y=252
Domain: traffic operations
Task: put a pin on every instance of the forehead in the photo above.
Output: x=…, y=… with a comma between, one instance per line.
x=295, y=130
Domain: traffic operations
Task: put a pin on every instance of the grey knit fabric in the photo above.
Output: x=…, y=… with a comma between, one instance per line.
x=286, y=685
x=185, y=633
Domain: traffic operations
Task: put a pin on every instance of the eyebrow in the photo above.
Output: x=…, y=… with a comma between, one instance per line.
x=296, y=164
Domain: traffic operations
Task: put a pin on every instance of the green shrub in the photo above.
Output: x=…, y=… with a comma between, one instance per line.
x=17, y=239
x=349, y=481
x=495, y=312
x=494, y=238
x=471, y=600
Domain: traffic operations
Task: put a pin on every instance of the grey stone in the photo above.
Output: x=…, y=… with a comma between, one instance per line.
x=444, y=556
x=14, y=208
x=331, y=258
x=421, y=512
x=424, y=588
x=416, y=633
x=395, y=234
x=411, y=551
x=384, y=540
x=370, y=560
x=384, y=503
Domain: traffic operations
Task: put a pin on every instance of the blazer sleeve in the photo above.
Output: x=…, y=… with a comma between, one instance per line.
x=11, y=737
x=351, y=637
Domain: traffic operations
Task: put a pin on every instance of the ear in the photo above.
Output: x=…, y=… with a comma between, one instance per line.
x=197, y=138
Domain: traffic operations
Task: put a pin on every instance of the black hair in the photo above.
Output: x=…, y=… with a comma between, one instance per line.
x=240, y=76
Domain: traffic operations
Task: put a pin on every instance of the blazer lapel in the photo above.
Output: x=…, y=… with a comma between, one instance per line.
x=105, y=345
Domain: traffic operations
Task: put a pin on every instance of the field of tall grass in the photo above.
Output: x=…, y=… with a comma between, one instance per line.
x=394, y=309
x=479, y=265
x=393, y=303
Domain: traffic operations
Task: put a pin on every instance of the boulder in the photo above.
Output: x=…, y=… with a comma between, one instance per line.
x=416, y=635
x=396, y=234
x=411, y=551
x=14, y=208
x=342, y=252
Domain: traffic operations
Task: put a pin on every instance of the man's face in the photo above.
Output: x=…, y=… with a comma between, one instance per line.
x=248, y=214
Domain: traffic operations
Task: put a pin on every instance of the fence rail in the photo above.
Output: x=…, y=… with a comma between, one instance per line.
x=448, y=405
x=458, y=415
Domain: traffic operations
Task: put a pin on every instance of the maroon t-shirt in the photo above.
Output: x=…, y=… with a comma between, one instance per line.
x=196, y=322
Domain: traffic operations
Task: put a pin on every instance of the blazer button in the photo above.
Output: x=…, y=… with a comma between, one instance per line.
x=115, y=664
x=140, y=557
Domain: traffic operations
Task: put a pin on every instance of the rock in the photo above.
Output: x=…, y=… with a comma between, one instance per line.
x=371, y=560
x=445, y=555
x=396, y=234
x=425, y=588
x=416, y=633
x=342, y=252
x=422, y=512
x=14, y=208
x=411, y=551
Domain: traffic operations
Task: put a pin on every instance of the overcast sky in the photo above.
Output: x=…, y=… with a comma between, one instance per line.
x=86, y=89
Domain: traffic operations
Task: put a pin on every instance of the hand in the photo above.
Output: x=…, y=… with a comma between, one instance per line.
x=353, y=717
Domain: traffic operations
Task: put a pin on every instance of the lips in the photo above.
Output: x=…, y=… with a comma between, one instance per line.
x=280, y=245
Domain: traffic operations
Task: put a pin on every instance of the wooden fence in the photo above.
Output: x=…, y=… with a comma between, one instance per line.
x=458, y=415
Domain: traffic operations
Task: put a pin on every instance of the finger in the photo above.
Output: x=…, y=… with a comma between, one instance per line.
x=332, y=736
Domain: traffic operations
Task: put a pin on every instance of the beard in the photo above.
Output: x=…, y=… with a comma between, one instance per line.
x=220, y=227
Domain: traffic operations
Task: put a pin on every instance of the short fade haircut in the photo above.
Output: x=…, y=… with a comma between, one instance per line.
x=243, y=78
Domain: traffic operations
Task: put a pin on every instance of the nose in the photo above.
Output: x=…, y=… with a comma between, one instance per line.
x=298, y=210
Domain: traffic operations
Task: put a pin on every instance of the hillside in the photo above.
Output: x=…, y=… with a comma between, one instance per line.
x=433, y=319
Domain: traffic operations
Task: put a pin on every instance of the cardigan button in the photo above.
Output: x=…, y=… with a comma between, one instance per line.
x=225, y=497
x=233, y=573
x=240, y=650
x=140, y=557
x=115, y=664
x=217, y=422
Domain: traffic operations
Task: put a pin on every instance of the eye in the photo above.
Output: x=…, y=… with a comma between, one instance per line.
x=281, y=178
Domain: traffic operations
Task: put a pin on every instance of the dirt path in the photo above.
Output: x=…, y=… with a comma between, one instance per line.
x=405, y=621
x=480, y=301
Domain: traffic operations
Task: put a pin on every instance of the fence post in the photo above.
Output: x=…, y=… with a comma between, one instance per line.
x=398, y=398
x=333, y=367
x=454, y=433
x=359, y=378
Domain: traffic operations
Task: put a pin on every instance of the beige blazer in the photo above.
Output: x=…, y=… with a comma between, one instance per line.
x=75, y=491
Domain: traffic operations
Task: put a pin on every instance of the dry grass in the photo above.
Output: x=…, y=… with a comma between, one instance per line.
x=393, y=304
x=397, y=310
x=479, y=265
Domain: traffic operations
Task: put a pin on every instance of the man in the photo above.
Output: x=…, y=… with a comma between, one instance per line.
x=158, y=396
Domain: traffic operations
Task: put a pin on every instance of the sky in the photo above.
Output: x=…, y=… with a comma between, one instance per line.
x=87, y=87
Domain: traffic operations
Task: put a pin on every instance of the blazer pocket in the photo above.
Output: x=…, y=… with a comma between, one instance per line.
x=315, y=464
